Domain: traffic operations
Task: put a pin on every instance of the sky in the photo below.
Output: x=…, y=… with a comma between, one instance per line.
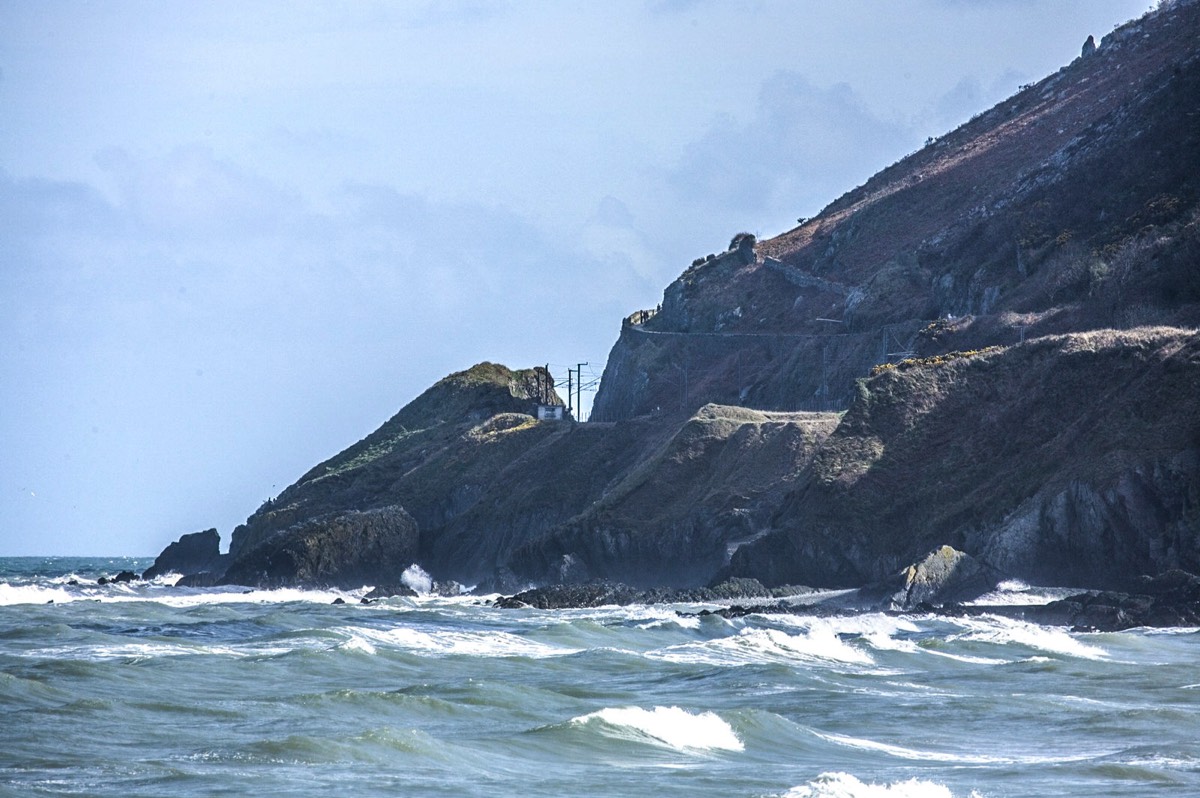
x=236, y=237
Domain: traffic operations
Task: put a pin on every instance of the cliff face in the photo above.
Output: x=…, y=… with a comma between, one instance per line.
x=1073, y=205
x=674, y=517
x=1069, y=460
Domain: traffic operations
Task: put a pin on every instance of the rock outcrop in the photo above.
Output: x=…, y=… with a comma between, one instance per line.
x=191, y=554
x=944, y=576
x=491, y=399
x=600, y=593
x=346, y=550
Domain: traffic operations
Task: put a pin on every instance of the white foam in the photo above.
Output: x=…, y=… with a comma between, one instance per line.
x=1014, y=591
x=670, y=726
x=819, y=643
x=138, y=651
x=877, y=630
x=843, y=785
x=358, y=643
x=972, y=660
x=159, y=592
x=658, y=617
x=901, y=752
x=32, y=594
x=1164, y=762
x=1004, y=631
x=450, y=643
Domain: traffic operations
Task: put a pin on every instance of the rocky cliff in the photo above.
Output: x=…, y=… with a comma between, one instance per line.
x=1073, y=205
x=677, y=513
x=510, y=500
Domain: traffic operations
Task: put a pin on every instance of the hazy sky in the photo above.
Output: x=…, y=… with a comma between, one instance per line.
x=235, y=237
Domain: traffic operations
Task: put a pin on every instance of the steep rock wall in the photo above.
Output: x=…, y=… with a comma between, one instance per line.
x=1070, y=459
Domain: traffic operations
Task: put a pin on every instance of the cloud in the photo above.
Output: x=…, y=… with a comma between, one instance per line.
x=225, y=331
x=456, y=12
x=612, y=212
x=802, y=146
x=968, y=97
x=673, y=6
x=39, y=206
x=189, y=192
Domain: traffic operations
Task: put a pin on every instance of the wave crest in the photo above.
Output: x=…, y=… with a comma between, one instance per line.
x=670, y=726
x=843, y=785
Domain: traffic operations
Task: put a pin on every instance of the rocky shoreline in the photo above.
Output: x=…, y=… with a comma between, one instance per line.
x=1169, y=600
x=945, y=582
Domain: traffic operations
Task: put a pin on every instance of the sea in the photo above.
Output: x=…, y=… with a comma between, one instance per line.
x=145, y=689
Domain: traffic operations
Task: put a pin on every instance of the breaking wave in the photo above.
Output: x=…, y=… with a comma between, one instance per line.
x=669, y=726
x=818, y=644
x=843, y=785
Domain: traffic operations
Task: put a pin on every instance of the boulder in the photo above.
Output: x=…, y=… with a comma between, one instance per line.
x=944, y=576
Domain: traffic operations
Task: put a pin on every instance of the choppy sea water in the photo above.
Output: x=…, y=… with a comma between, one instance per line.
x=151, y=690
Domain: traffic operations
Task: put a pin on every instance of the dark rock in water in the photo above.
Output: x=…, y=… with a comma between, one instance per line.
x=600, y=593
x=448, y=589
x=120, y=578
x=191, y=554
x=339, y=600
x=944, y=576
x=1170, y=599
x=202, y=579
x=343, y=550
x=387, y=591
x=554, y=597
